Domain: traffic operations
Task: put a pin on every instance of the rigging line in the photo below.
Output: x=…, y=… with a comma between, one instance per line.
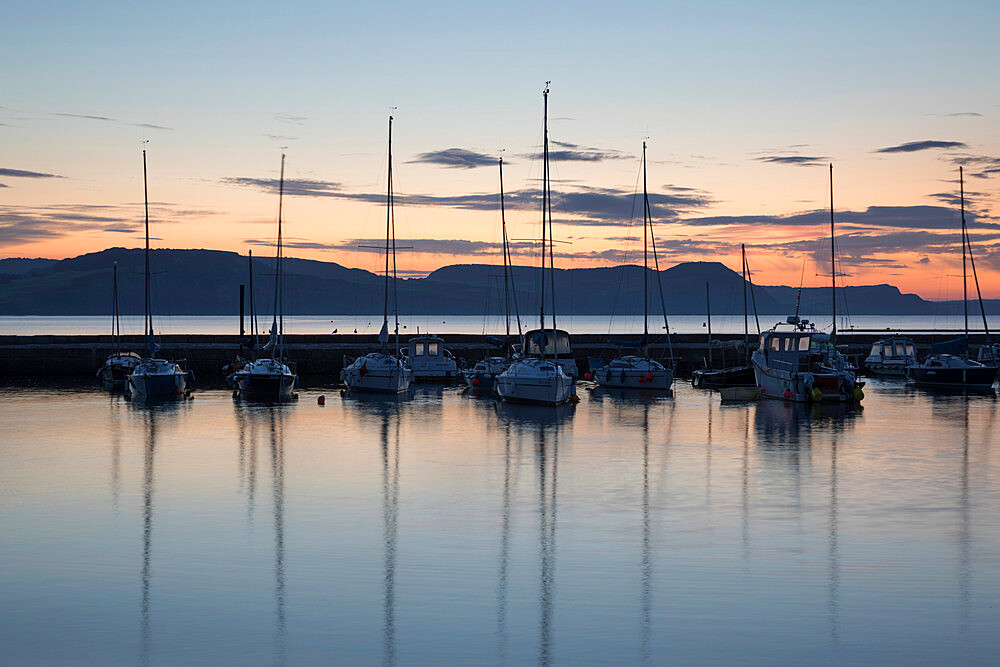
x=624, y=260
x=659, y=282
x=753, y=296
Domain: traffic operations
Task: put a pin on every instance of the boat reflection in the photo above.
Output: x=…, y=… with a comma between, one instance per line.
x=629, y=396
x=390, y=523
x=252, y=418
x=783, y=424
x=526, y=414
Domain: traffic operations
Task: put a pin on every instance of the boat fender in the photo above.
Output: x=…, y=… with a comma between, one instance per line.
x=642, y=378
x=649, y=376
x=859, y=394
x=475, y=382
x=364, y=369
x=787, y=394
x=586, y=376
x=816, y=395
x=321, y=400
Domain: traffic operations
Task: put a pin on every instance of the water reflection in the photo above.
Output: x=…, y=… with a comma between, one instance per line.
x=251, y=417
x=548, y=466
x=645, y=559
x=504, y=550
x=149, y=450
x=629, y=396
x=527, y=415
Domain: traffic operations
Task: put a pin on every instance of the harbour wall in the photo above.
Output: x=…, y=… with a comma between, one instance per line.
x=319, y=358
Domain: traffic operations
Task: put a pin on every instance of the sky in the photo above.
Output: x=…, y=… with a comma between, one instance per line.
x=743, y=107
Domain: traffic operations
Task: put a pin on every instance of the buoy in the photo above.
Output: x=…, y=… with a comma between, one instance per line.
x=649, y=376
x=321, y=400
x=816, y=395
x=475, y=381
x=858, y=394
x=642, y=378
x=586, y=376
x=787, y=394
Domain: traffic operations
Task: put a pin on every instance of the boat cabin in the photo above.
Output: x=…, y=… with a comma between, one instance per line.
x=549, y=344
x=893, y=348
x=427, y=358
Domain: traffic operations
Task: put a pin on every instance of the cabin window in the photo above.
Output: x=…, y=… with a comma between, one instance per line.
x=776, y=344
x=418, y=350
x=432, y=349
x=763, y=342
x=804, y=344
x=909, y=350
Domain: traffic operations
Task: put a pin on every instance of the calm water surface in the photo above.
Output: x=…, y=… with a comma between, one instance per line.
x=446, y=528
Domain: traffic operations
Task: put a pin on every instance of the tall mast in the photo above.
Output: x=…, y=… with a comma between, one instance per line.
x=116, y=329
x=148, y=347
x=388, y=231
x=548, y=209
x=746, y=321
x=708, y=310
x=965, y=280
x=253, y=311
x=279, y=298
x=506, y=279
x=545, y=198
x=645, y=258
x=975, y=276
x=833, y=263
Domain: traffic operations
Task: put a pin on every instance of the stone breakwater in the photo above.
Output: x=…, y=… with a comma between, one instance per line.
x=320, y=357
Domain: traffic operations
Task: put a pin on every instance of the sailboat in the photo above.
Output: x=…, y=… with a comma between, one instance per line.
x=950, y=370
x=797, y=362
x=640, y=371
x=119, y=364
x=483, y=374
x=538, y=376
x=270, y=378
x=154, y=378
x=381, y=371
x=733, y=376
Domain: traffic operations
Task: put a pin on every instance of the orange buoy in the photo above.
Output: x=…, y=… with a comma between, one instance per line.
x=787, y=394
x=475, y=382
x=586, y=376
x=321, y=400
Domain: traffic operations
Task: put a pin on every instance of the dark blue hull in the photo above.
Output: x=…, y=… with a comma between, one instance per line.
x=981, y=377
x=266, y=387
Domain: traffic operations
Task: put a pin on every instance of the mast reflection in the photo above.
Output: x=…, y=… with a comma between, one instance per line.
x=276, y=423
x=149, y=450
x=646, y=558
x=504, y=552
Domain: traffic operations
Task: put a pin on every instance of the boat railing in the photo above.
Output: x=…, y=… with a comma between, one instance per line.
x=786, y=366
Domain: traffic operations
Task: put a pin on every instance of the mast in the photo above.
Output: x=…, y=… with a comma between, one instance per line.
x=253, y=312
x=833, y=264
x=116, y=329
x=965, y=280
x=548, y=208
x=708, y=309
x=972, y=264
x=506, y=279
x=388, y=231
x=278, y=324
x=746, y=320
x=645, y=258
x=148, y=348
x=545, y=197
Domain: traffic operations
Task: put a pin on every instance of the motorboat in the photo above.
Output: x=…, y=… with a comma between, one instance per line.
x=949, y=370
x=891, y=356
x=797, y=362
x=429, y=361
x=485, y=371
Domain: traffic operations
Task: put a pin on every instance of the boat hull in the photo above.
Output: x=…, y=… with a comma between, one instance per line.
x=266, y=387
x=377, y=373
x=741, y=376
x=886, y=369
x=633, y=379
x=539, y=391
x=980, y=378
x=152, y=386
x=796, y=387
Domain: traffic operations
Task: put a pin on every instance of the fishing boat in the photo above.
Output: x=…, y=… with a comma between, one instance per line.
x=117, y=367
x=483, y=374
x=640, y=371
x=890, y=356
x=733, y=376
x=428, y=360
x=380, y=371
x=154, y=378
x=945, y=369
x=538, y=375
x=797, y=362
x=270, y=378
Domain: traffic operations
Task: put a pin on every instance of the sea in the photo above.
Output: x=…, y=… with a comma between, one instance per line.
x=474, y=324
x=443, y=527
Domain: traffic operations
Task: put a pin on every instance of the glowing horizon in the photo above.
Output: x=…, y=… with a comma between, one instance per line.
x=740, y=136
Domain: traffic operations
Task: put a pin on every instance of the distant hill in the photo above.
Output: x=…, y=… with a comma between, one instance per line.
x=205, y=282
x=18, y=265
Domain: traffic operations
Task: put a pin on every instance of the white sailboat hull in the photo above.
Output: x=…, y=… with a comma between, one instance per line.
x=534, y=381
x=378, y=373
x=167, y=380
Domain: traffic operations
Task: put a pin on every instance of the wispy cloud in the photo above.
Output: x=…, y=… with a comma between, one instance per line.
x=293, y=187
x=108, y=119
x=957, y=114
x=458, y=158
x=890, y=217
x=21, y=173
x=797, y=160
x=927, y=144
x=568, y=152
x=152, y=126
x=290, y=118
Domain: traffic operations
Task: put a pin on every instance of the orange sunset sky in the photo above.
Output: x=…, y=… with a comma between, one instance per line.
x=743, y=109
